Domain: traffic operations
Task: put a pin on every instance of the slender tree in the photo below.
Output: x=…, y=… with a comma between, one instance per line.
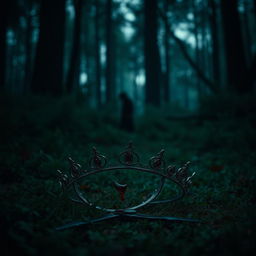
x=167, y=60
x=152, y=57
x=48, y=70
x=97, y=53
x=250, y=78
x=197, y=49
x=254, y=7
x=206, y=64
x=235, y=57
x=3, y=47
x=246, y=19
x=110, y=80
x=215, y=42
x=28, y=46
x=74, y=58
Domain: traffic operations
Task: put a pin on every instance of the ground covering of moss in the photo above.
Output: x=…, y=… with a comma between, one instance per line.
x=37, y=136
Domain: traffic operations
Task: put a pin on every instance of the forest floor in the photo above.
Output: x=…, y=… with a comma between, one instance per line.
x=37, y=136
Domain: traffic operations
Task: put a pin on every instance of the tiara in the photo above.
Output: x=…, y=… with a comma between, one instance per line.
x=127, y=160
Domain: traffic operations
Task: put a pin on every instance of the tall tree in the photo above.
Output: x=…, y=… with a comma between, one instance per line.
x=215, y=41
x=197, y=48
x=48, y=70
x=152, y=56
x=235, y=57
x=3, y=33
x=254, y=7
x=248, y=42
x=205, y=42
x=167, y=60
x=97, y=53
x=28, y=46
x=110, y=78
x=74, y=58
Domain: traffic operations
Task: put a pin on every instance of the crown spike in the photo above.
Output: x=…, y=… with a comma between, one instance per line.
x=158, y=160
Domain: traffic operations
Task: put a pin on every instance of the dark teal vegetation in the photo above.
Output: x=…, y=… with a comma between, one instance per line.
x=38, y=134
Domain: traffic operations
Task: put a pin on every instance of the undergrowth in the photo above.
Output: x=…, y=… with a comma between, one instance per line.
x=37, y=136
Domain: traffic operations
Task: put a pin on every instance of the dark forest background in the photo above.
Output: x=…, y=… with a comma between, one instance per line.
x=189, y=69
x=158, y=51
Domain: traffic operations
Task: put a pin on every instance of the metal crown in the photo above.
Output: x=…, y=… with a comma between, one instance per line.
x=127, y=160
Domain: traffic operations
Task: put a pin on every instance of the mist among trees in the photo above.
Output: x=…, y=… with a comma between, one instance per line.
x=159, y=52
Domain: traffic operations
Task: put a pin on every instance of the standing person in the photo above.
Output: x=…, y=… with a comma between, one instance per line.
x=126, y=122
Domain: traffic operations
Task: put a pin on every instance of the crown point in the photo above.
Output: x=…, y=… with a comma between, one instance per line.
x=59, y=172
x=161, y=153
x=171, y=169
x=187, y=164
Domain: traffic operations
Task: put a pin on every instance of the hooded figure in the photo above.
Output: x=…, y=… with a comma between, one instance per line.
x=126, y=122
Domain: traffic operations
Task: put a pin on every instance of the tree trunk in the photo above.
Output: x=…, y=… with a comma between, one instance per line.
x=97, y=54
x=167, y=61
x=28, y=48
x=206, y=57
x=235, y=57
x=197, y=49
x=75, y=53
x=255, y=7
x=250, y=78
x=3, y=45
x=152, y=57
x=247, y=35
x=110, y=80
x=48, y=70
x=215, y=42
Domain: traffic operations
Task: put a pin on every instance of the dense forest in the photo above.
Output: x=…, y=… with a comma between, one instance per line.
x=178, y=75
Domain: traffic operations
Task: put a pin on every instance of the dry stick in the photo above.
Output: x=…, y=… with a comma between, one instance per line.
x=184, y=51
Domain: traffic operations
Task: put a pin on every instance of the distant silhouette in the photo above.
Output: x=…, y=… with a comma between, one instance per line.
x=126, y=122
